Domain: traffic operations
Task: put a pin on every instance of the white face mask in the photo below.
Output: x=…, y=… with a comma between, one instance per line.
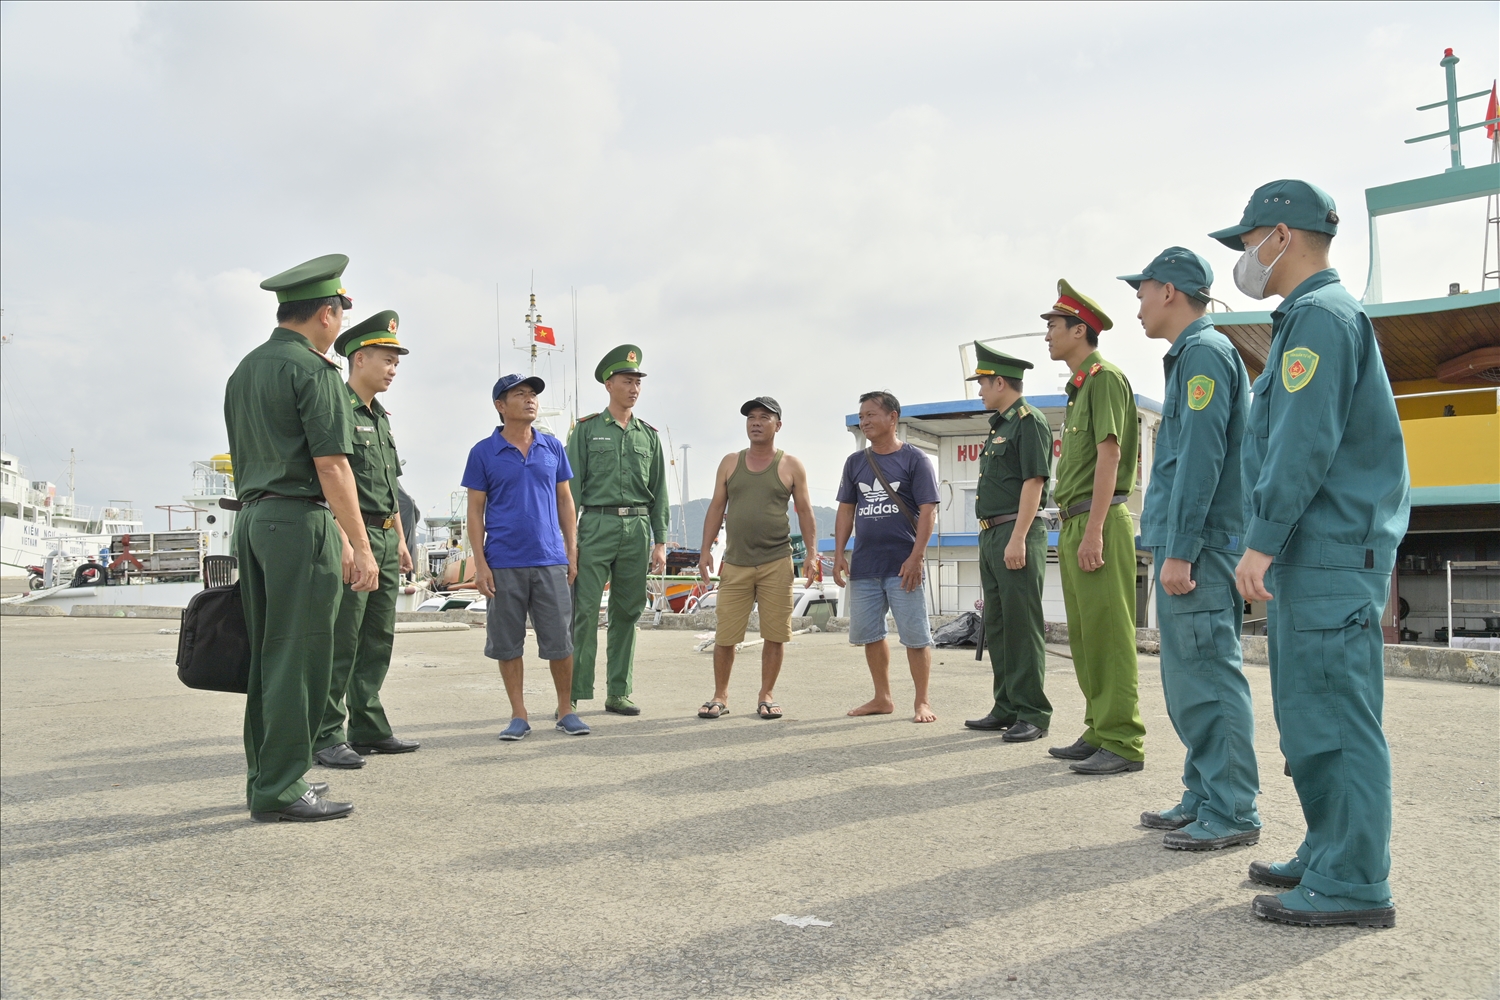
x=1250, y=275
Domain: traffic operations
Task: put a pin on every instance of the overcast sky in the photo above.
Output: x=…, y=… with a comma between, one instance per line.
x=799, y=200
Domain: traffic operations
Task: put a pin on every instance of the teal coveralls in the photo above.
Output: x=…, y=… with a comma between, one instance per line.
x=1195, y=511
x=1325, y=467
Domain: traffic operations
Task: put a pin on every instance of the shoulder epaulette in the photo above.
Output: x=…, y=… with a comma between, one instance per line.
x=328, y=361
x=591, y=416
x=650, y=428
x=1094, y=369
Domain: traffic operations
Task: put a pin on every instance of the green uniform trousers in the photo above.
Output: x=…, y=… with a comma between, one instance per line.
x=1014, y=632
x=1208, y=697
x=1101, y=633
x=1328, y=688
x=290, y=584
x=614, y=550
x=362, y=638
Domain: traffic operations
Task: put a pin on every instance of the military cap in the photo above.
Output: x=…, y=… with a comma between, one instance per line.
x=1075, y=306
x=1297, y=203
x=623, y=360
x=319, y=278
x=1180, y=268
x=509, y=382
x=988, y=362
x=377, y=331
x=764, y=402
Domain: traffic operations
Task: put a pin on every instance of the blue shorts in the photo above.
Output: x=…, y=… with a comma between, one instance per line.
x=869, y=599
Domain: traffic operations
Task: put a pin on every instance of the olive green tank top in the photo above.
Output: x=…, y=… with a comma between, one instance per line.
x=756, y=522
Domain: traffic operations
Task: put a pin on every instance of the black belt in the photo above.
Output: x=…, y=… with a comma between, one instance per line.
x=620, y=511
x=1084, y=506
x=386, y=521
x=986, y=523
x=228, y=504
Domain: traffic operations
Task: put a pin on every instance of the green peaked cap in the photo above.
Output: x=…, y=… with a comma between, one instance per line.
x=319, y=278
x=988, y=362
x=623, y=360
x=377, y=331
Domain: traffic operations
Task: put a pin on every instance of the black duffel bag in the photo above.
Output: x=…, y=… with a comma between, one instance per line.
x=213, y=648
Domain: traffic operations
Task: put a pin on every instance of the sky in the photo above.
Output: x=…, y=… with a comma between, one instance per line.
x=800, y=200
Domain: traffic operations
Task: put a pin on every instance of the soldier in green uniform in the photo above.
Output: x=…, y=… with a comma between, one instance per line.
x=1013, y=471
x=620, y=487
x=290, y=432
x=366, y=625
x=1194, y=524
x=1096, y=546
x=1325, y=473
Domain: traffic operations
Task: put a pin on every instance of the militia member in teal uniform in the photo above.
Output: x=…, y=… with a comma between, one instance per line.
x=1096, y=546
x=1013, y=471
x=1194, y=524
x=1325, y=470
x=366, y=625
x=291, y=434
x=620, y=487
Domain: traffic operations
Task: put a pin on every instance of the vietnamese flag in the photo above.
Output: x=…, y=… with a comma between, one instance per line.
x=543, y=335
x=1490, y=115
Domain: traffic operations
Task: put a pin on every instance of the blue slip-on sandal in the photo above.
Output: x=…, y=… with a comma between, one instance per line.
x=572, y=725
x=517, y=730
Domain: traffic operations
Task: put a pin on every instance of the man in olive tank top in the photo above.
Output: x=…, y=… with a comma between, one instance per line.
x=755, y=485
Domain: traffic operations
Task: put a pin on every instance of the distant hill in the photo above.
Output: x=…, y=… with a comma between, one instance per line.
x=698, y=509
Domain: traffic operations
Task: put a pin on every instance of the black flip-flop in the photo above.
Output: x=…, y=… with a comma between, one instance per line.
x=768, y=710
x=708, y=710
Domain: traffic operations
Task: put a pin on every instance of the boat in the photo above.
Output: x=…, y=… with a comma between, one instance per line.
x=44, y=535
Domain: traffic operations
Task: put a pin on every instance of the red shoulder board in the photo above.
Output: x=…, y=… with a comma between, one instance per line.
x=1095, y=370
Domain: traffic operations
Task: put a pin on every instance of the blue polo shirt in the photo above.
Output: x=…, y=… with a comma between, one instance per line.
x=520, y=499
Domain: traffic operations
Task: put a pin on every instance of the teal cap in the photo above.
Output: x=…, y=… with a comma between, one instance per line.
x=1180, y=268
x=319, y=278
x=1298, y=204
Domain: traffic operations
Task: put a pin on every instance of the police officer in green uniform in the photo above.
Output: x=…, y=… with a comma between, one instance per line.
x=1194, y=524
x=366, y=625
x=1325, y=471
x=1096, y=546
x=290, y=432
x=1013, y=471
x=620, y=487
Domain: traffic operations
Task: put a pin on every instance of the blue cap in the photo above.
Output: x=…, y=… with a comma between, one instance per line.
x=1297, y=203
x=509, y=382
x=1180, y=268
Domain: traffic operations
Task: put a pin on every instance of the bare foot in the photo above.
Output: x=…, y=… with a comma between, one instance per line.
x=924, y=713
x=875, y=706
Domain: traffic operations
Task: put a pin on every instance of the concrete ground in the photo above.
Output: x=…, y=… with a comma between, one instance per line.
x=649, y=858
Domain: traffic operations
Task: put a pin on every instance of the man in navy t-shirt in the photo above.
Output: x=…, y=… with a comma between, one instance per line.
x=521, y=516
x=891, y=512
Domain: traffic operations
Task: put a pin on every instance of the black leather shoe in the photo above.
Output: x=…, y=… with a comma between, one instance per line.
x=1177, y=840
x=1260, y=871
x=1105, y=762
x=308, y=809
x=339, y=755
x=988, y=724
x=390, y=744
x=1161, y=821
x=1080, y=750
x=1023, y=732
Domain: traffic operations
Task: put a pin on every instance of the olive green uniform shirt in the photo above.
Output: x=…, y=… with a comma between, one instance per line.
x=1100, y=403
x=1019, y=448
x=374, y=460
x=618, y=465
x=283, y=407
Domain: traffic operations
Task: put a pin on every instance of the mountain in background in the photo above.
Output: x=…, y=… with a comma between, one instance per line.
x=697, y=509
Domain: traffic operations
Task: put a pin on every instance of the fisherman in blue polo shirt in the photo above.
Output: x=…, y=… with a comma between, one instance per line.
x=1328, y=500
x=521, y=516
x=1193, y=523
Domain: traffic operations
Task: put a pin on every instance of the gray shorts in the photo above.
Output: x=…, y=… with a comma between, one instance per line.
x=540, y=592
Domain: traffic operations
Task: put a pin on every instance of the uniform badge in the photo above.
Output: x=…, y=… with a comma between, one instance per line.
x=1095, y=370
x=1200, y=389
x=1297, y=368
x=1078, y=379
x=631, y=357
x=392, y=326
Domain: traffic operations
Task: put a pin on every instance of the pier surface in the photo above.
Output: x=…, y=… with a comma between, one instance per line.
x=650, y=858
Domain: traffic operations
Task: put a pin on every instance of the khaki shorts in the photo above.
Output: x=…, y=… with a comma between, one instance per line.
x=769, y=586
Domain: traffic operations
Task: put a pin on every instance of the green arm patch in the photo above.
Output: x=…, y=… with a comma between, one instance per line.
x=1200, y=389
x=1297, y=368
